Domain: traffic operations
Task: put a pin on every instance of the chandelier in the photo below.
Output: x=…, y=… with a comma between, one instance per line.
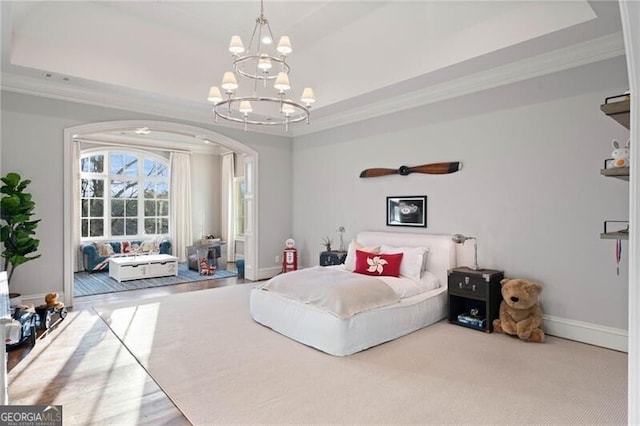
x=265, y=67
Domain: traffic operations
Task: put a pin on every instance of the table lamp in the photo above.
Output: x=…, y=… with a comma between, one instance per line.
x=460, y=239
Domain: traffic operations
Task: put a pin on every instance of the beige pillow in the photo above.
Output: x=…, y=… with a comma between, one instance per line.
x=104, y=249
x=350, y=261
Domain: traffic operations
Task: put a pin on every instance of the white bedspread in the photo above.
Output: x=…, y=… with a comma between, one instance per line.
x=339, y=292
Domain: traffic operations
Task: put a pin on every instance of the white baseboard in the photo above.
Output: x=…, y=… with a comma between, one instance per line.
x=266, y=273
x=607, y=337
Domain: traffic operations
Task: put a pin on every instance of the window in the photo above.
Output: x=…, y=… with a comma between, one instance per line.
x=239, y=189
x=123, y=194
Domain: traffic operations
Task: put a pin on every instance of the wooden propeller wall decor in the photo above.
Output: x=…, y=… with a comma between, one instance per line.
x=430, y=169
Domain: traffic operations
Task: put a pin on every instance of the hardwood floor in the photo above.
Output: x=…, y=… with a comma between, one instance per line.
x=82, y=366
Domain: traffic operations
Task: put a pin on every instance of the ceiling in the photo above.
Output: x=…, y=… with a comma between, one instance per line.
x=363, y=58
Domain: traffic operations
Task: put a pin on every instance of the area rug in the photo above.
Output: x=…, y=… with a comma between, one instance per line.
x=220, y=367
x=86, y=284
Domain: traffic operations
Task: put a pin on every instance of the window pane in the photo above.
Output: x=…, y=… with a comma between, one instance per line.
x=149, y=208
x=162, y=189
x=149, y=226
x=163, y=226
x=154, y=168
x=97, y=208
x=132, y=208
x=92, y=164
x=132, y=226
x=124, y=189
x=131, y=165
x=163, y=208
x=96, y=228
x=117, y=226
x=85, y=227
x=149, y=190
x=85, y=208
x=91, y=188
x=117, y=164
x=98, y=188
x=117, y=208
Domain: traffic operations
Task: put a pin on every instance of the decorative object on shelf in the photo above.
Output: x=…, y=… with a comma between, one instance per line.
x=460, y=239
x=327, y=243
x=261, y=63
x=407, y=211
x=16, y=233
x=430, y=169
x=341, y=247
x=520, y=311
x=620, y=154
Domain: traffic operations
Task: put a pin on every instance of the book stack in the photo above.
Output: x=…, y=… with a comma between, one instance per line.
x=473, y=321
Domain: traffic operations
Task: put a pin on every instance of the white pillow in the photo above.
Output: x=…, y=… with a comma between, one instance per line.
x=428, y=281
x=350, y=260
x=413, y=260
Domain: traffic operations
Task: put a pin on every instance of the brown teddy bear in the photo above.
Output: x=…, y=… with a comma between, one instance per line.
x=520, y=312
x=51, y=300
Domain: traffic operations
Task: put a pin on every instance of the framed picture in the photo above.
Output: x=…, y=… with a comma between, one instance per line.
x=407, y=211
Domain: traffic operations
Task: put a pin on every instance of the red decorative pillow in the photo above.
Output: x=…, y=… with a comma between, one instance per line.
x=378, y=264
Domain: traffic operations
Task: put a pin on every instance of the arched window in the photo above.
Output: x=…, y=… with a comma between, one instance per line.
x=123, y=193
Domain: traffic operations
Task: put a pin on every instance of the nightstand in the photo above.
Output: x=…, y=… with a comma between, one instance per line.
x=474, y=297
x=332, y=258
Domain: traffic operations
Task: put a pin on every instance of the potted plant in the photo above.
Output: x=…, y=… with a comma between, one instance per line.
x=17, y=229
x=327, y=243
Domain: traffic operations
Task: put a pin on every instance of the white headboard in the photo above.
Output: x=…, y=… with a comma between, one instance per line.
x=442, y=250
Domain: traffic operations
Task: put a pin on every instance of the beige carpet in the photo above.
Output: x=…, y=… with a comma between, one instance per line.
x=220, y=367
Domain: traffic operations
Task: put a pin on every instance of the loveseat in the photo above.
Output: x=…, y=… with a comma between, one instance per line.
x=95, y=255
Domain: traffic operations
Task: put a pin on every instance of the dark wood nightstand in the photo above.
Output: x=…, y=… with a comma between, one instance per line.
x=332, y=258
x=474, y=297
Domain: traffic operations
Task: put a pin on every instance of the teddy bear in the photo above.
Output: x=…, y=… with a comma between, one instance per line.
x=520, y=311
x=51, y=300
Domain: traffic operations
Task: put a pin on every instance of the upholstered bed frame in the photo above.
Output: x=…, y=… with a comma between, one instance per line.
x=343, y=336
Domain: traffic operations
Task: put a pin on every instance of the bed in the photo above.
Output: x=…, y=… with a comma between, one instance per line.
x=347, y=334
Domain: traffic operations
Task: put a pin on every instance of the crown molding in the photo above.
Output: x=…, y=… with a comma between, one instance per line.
x=121, y=98
x=595, y=50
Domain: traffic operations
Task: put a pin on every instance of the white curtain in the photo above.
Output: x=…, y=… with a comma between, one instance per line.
x=228, y=219
x=76, y=225
x=180, y=228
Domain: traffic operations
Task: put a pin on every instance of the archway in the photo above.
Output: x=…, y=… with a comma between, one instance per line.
x=250, y=157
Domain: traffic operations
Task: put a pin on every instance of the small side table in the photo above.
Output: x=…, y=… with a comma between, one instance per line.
x=332, y=258
x=474, y=297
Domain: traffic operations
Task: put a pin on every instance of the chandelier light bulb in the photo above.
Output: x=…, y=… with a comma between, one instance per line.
x=308, y=97
x=264, y=64
x=214, y=95
x=245, y=107
x=266, y=40
x=282, y=82
x=235, y=46
x=284, y=46
x=288, y=109
x=229, y=82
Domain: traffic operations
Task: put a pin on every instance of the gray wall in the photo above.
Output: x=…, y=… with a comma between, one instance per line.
x=32, y=144
x=530, y=188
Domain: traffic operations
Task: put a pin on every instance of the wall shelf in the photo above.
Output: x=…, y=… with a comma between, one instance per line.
x=616, y=172
x=614, y=236
x=619, y=111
